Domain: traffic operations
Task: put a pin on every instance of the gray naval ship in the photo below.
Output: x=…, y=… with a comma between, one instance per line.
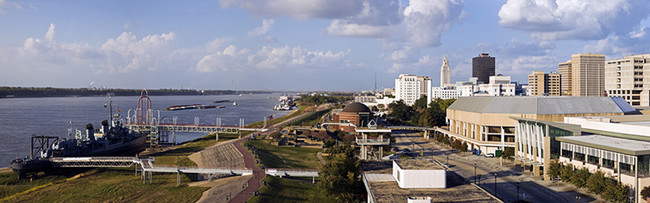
x=113, y=139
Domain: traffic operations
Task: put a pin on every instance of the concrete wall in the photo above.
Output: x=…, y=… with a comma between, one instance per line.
x=432, y=178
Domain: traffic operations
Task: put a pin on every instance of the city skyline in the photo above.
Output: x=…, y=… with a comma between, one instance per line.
x=301, y=45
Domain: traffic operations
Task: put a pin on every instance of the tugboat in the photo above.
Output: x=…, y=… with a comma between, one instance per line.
x=109, y=140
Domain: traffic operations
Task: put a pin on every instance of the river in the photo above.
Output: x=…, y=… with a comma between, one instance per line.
x=20, y=118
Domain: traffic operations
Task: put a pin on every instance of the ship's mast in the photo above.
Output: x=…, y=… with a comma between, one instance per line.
x=110, y=109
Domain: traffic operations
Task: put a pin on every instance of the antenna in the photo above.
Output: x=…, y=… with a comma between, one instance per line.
x=375, y=90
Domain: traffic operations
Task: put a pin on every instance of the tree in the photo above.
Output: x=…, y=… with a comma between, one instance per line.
x=456, y=144
x=339, y=176
x=615, y=192
x=420, y=104
x=554, y=169
x=596, y=183
x=579, y=179
x=567, y=173
x=645, y=192
x=401, y=112
x=508, y=152
x=463, y=147
x=444, y=103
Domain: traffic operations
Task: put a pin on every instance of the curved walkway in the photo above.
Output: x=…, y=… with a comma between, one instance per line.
x=254, y=183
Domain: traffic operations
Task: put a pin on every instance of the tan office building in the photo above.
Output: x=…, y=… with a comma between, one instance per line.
x=629, y=78
x=565, y=78
x=587, y=74
x=544, y=84
x=486, y=123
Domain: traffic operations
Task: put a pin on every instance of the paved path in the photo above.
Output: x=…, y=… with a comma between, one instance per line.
x=254, y=183
x=320, y=157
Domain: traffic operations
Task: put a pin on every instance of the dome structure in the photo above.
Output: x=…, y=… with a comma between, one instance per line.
x=356, y=107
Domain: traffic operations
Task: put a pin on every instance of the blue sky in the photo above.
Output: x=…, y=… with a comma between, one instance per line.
x=301, y=44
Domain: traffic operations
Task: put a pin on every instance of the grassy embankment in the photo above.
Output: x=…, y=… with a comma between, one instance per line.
x=271, y=122
x=311, y=119
x=115, y=184
x=289, y=189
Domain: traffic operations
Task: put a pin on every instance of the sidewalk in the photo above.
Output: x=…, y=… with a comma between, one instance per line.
x=254, y=183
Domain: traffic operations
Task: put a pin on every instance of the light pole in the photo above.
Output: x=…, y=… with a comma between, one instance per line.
x=474, y=173
x=447, y=160
x=495, y=183
x=517, y=191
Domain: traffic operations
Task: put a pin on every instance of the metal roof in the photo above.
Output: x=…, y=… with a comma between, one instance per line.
x=615, y=144
x=575, y=129
x=541, y=105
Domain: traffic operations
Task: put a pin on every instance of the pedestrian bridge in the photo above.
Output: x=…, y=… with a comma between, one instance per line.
x=145, y=165
x=291, y=172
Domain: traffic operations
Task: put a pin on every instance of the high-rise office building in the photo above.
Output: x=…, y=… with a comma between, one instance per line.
x=544, y=84
x=411, y=87
x=625, y=78
x=483, y=67
x=587, y=74
x=444, y=73
x=565, y=78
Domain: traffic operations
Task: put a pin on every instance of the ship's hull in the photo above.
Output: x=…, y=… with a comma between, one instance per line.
x=132, y=147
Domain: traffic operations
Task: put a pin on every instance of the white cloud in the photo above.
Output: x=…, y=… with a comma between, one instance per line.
x=266, y=27
x=523, y=65
x=228, y=59
x=405, y=54
x=346, y=28
x=7, y=4
x=216, y=44
x=422, y=65
x=292, y=57
x=425, y=21
x=126, y=53
x=284, y=57
x=376, y=19
x=616, y=46
x=573, y=19
x=51, y=51
x=301, y=9
x=50, y=32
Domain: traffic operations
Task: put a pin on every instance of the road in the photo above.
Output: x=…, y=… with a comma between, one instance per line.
x=507, y=179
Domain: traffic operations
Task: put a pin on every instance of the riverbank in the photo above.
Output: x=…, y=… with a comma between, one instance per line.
x=23, y=92
x=121, y=184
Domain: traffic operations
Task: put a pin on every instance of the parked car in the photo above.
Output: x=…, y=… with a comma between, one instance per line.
x=489, y=155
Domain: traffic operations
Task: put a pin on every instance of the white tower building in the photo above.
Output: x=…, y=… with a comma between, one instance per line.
x=411, y=87
x=444, y=73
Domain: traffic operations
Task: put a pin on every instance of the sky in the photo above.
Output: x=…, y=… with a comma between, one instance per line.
x=325, y=45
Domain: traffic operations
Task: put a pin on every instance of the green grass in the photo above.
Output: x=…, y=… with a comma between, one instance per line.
x=289, y=190
x=286, y=157
x=169, y=157
x=310, y=119
x=9, y=184
x=113, y=185
x=295, y=113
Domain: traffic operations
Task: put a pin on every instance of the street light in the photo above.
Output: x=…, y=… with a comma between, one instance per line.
x=447, y=160
x=495, y=183
x=517, y=191
x=474, y=173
